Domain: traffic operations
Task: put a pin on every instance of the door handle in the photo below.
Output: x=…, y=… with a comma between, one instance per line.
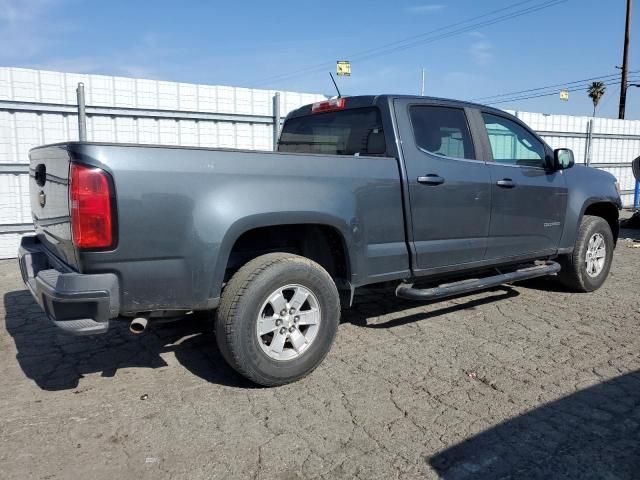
x=431, y=179
x=506, y=183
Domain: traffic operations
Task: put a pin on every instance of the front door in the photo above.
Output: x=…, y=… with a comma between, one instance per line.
x=528, y=200
x=449, y=189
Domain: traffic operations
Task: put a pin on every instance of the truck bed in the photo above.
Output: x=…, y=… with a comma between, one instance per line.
x=180, y=210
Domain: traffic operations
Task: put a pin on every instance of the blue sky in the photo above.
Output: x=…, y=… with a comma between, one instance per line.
x=272, y=44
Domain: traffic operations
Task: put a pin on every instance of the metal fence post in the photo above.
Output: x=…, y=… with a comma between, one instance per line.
x=276, y=120
x=82, y=115
x=587, y=151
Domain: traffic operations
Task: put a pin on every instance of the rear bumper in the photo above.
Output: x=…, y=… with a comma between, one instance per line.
x=77, y=303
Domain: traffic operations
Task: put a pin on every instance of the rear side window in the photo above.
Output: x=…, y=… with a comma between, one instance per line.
x=356, y=131
x=442, y=130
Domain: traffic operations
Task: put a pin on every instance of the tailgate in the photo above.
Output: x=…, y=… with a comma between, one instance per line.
x=49, y=195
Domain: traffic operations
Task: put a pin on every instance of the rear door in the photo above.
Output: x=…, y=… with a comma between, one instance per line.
x=528, y=200
x=449, y=188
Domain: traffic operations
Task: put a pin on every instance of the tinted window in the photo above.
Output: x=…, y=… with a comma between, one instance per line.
x=442, y=130
x=513, y=144
x=347, y=132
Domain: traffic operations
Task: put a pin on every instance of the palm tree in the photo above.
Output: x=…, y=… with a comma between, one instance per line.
x=595, y=92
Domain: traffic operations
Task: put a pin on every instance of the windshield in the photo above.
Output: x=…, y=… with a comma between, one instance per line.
x=356, y=131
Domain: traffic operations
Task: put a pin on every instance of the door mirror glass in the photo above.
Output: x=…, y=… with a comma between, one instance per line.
x=563, y=158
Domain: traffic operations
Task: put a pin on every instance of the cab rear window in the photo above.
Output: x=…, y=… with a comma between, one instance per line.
x=355, y=131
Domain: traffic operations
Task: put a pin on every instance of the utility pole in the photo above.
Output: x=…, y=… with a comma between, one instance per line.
x=625, y=62
x=422, y=84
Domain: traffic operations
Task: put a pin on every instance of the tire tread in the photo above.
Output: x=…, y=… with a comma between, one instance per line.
x=231, y=296
x=571, y=275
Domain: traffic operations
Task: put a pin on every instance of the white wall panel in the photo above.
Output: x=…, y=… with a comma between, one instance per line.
x=627, y=198
x=9, y=244
x=8, y=142
x=146, y=93
x=14, y=199
x=124, y=92
x=208, y=134
x=126, y=130
x=52, y=87
x=148, y=131
x=101, y=129
x=168, y=131
x=168, y=96
x=28, y=127
x=207, y=98
x=5, y=84
x=188, y=133
x=226, y=99
x=188, y=97
x=226, y=135
x=54, y=128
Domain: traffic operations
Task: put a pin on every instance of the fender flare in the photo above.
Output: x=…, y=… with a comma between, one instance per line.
x=271, y=219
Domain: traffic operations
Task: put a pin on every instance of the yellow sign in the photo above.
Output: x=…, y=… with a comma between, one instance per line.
x=343, y=68
x=564, y=95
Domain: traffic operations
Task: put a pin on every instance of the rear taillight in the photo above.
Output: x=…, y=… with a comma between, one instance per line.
x=328, y=105
x=90, y=197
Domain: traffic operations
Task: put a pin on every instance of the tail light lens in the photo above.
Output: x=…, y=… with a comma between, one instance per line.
x=328, y=105
x=90, y=197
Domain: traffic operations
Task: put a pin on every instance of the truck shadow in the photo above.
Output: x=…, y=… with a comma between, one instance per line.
x=56, y=361
x=593, y=433
x=632, y=233
x=382, y=301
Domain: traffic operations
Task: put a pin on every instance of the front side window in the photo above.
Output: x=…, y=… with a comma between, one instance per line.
x=513, y=144
x=442, y=130
x=356, y=131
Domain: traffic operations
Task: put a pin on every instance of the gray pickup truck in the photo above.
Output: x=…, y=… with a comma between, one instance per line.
x=439, y=196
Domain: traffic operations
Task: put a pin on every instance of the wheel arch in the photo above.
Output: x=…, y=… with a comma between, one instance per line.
x=601, y=206
x=606, y=210
x=324, y=238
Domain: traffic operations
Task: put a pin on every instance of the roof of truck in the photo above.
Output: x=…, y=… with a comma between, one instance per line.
x=360, y=101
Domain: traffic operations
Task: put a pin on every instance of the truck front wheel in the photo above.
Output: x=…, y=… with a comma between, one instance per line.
x=586, y=269
x=277, y=318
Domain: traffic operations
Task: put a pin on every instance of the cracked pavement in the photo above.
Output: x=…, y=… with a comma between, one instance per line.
x=526, y=381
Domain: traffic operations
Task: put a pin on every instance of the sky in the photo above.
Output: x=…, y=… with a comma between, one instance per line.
x=293, y=45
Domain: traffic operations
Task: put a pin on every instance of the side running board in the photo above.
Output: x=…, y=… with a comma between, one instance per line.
x=406, y=290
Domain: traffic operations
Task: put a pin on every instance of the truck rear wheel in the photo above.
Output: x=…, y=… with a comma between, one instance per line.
x=277, y=319
x=586, y=269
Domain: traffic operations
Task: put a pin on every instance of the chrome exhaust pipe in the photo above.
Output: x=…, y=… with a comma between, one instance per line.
x=138, y=325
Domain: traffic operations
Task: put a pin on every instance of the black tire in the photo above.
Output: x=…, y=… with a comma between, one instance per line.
x=240, y=306
x=574, y=267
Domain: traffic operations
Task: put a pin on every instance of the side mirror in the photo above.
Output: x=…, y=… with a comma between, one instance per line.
x=563, y=159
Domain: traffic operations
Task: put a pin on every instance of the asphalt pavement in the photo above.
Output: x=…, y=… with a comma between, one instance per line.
x=528, y=381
